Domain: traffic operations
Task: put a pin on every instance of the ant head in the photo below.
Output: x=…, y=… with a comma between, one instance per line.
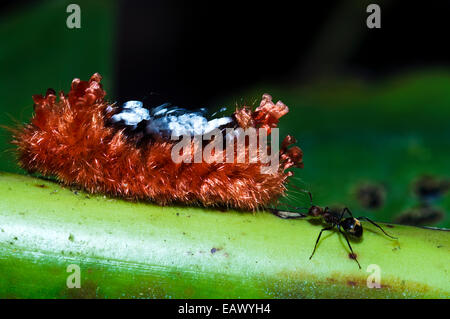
x=352, y=226
x=315, y=211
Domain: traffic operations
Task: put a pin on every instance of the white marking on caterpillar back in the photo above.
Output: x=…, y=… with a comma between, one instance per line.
x=168, y=121
x=132, y=114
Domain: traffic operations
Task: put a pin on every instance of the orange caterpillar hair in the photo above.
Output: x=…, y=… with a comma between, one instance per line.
x=70, y=139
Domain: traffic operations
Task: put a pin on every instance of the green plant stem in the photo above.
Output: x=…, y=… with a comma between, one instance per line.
x=140, y=250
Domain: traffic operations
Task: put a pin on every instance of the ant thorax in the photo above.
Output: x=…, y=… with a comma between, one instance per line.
x=333, y=215
x=330, y=217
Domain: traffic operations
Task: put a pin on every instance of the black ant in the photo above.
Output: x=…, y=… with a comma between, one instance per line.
x=346, y=226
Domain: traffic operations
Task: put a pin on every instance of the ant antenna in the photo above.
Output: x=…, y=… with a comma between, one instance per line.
x=304, y=191
x=294, y=207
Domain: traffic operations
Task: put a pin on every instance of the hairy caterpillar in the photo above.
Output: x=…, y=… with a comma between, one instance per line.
x=125, y=151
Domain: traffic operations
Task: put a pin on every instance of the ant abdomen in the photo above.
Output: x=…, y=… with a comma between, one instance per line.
x=352, y=226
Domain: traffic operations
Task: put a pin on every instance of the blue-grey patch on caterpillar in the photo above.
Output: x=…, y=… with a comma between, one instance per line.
x=166, y=121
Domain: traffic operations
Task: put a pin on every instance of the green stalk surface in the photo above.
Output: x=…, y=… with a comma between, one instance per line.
x=140, y=250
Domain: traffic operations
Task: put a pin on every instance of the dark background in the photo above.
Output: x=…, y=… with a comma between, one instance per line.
x=190, y=52
x=193, y=50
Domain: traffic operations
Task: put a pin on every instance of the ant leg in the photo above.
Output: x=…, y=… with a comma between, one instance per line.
x=348, y=211
x=375, y=224
x=318, y=238
x=342, y=213
x=286, y=214
x=349, y=246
